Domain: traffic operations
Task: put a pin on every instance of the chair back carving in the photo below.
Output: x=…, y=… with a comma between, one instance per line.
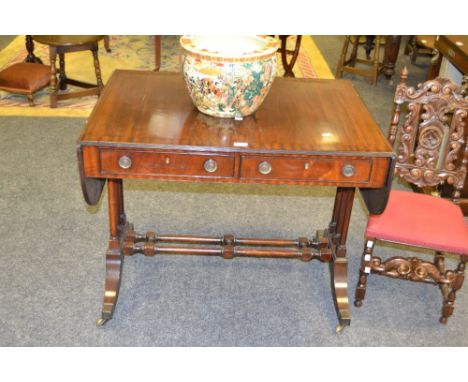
x=430, y=141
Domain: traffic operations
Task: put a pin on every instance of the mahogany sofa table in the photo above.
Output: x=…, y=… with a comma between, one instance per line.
x=308, y=132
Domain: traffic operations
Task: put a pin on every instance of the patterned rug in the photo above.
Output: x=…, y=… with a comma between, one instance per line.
x=127, y=52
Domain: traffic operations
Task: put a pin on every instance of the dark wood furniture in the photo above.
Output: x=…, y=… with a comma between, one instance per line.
x=288, y=64
x=386, y=66
x=31, y=57
x=392, y=48
x=428, y=142
x=310, y=132
x=421, y=45
x=60, y=45
x=107, y=43
x=157, y=52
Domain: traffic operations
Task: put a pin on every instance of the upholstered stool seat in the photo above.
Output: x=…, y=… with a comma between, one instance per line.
x=447, y=232
x=25, y=78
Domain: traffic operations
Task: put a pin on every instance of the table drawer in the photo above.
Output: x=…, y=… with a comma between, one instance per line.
x=342, y=169
x=146, y=163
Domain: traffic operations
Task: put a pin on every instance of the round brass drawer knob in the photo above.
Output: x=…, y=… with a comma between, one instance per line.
x=210, y=165
x=348, y=170
x=264, y=168
x=125, y=162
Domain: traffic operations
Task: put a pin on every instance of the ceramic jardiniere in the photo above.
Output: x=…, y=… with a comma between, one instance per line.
x=229, y=76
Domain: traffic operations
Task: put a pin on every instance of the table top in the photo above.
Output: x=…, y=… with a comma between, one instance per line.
x=154, y=110
x=63, y=40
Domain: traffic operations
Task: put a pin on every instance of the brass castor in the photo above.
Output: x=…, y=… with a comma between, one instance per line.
x=101, y=322
x=357, y=303
x=339, y=329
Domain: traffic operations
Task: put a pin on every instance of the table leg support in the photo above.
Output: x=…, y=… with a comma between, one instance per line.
x=114, y=263
x=392, y=48
x=339, y=278
x=339, y=266
x=114, y=255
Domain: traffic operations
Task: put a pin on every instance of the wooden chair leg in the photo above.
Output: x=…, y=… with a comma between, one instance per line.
x=30, y=99
x=410, y=45
x=376, y=61
x=457, y=283
x=53, y=77
x=157, y=52
x=414, y=53
x=97, y=69
x=369, y=45
x=344, y=52
x=354, y=53
x=107, y=43
x=62, y=84
x=364, y=271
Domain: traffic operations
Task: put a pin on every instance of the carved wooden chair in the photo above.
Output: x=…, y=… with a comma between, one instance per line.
x=428, y=145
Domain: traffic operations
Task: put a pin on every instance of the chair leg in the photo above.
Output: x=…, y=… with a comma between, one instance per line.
x=376, y=61
x=30, y=99
x=62, y=84
x=107, y=43
x=341, y=62
x=97, y=69
x=409, y=45
x=414, y=53
x=53, y=77
x=364, y=271
x=157, y=52
x=369, y=45
x=457, y=283
x=354, y=52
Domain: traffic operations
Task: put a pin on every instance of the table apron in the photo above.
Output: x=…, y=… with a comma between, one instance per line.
x=235, y=167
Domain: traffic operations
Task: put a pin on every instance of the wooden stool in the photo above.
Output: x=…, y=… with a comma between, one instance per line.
x=25, y=78
x=349, y=64
x=67, y=44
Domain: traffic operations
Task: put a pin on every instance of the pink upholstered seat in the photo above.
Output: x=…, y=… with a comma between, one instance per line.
x=421, y=220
